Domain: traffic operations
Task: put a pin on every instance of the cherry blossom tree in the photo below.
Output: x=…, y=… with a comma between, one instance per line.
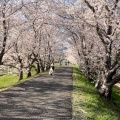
x=94, y=31
x=7, y=10
x=98, y=50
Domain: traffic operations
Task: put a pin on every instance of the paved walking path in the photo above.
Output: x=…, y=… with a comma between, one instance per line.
x=42, y=98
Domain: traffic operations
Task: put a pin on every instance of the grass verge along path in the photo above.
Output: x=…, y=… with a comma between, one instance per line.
x=87, y=105
x=7, y=81
x=47, y=97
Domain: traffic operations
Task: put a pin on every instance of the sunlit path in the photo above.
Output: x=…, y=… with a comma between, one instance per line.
x=43, y=98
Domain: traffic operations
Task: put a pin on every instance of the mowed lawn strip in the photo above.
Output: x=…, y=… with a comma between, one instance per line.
x=87, y=104
x=10, y=80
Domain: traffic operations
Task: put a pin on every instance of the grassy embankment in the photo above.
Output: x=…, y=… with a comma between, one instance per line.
x=87, y=104
x=7, y=81
x=10, y=80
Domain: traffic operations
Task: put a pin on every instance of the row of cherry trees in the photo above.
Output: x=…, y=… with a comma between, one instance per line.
x=30, y=33
x=93, y=30
x=27, y=35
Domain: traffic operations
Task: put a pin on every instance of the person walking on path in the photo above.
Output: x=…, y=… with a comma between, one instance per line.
x=51, y=69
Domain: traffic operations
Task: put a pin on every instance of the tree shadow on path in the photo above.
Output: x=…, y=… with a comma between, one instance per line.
x=43, y=98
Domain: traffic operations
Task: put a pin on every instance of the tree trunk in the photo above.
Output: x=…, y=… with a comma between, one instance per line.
x=105, y=91
x=43, y=69
x=29, y=73
x=60, y=63
x=48, y=67
x=21, y=75
x=87, y=72
x=4, y=34
x=42, y=65
x=38, y=68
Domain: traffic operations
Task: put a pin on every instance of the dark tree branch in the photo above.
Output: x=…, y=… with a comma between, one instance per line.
x=90, y=6
x=115, y=80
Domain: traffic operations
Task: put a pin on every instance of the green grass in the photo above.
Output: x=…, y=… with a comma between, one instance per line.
x=87, y=104
x=10, y=80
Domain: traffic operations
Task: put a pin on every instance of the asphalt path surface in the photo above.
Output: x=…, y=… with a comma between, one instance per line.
x=47, y=97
